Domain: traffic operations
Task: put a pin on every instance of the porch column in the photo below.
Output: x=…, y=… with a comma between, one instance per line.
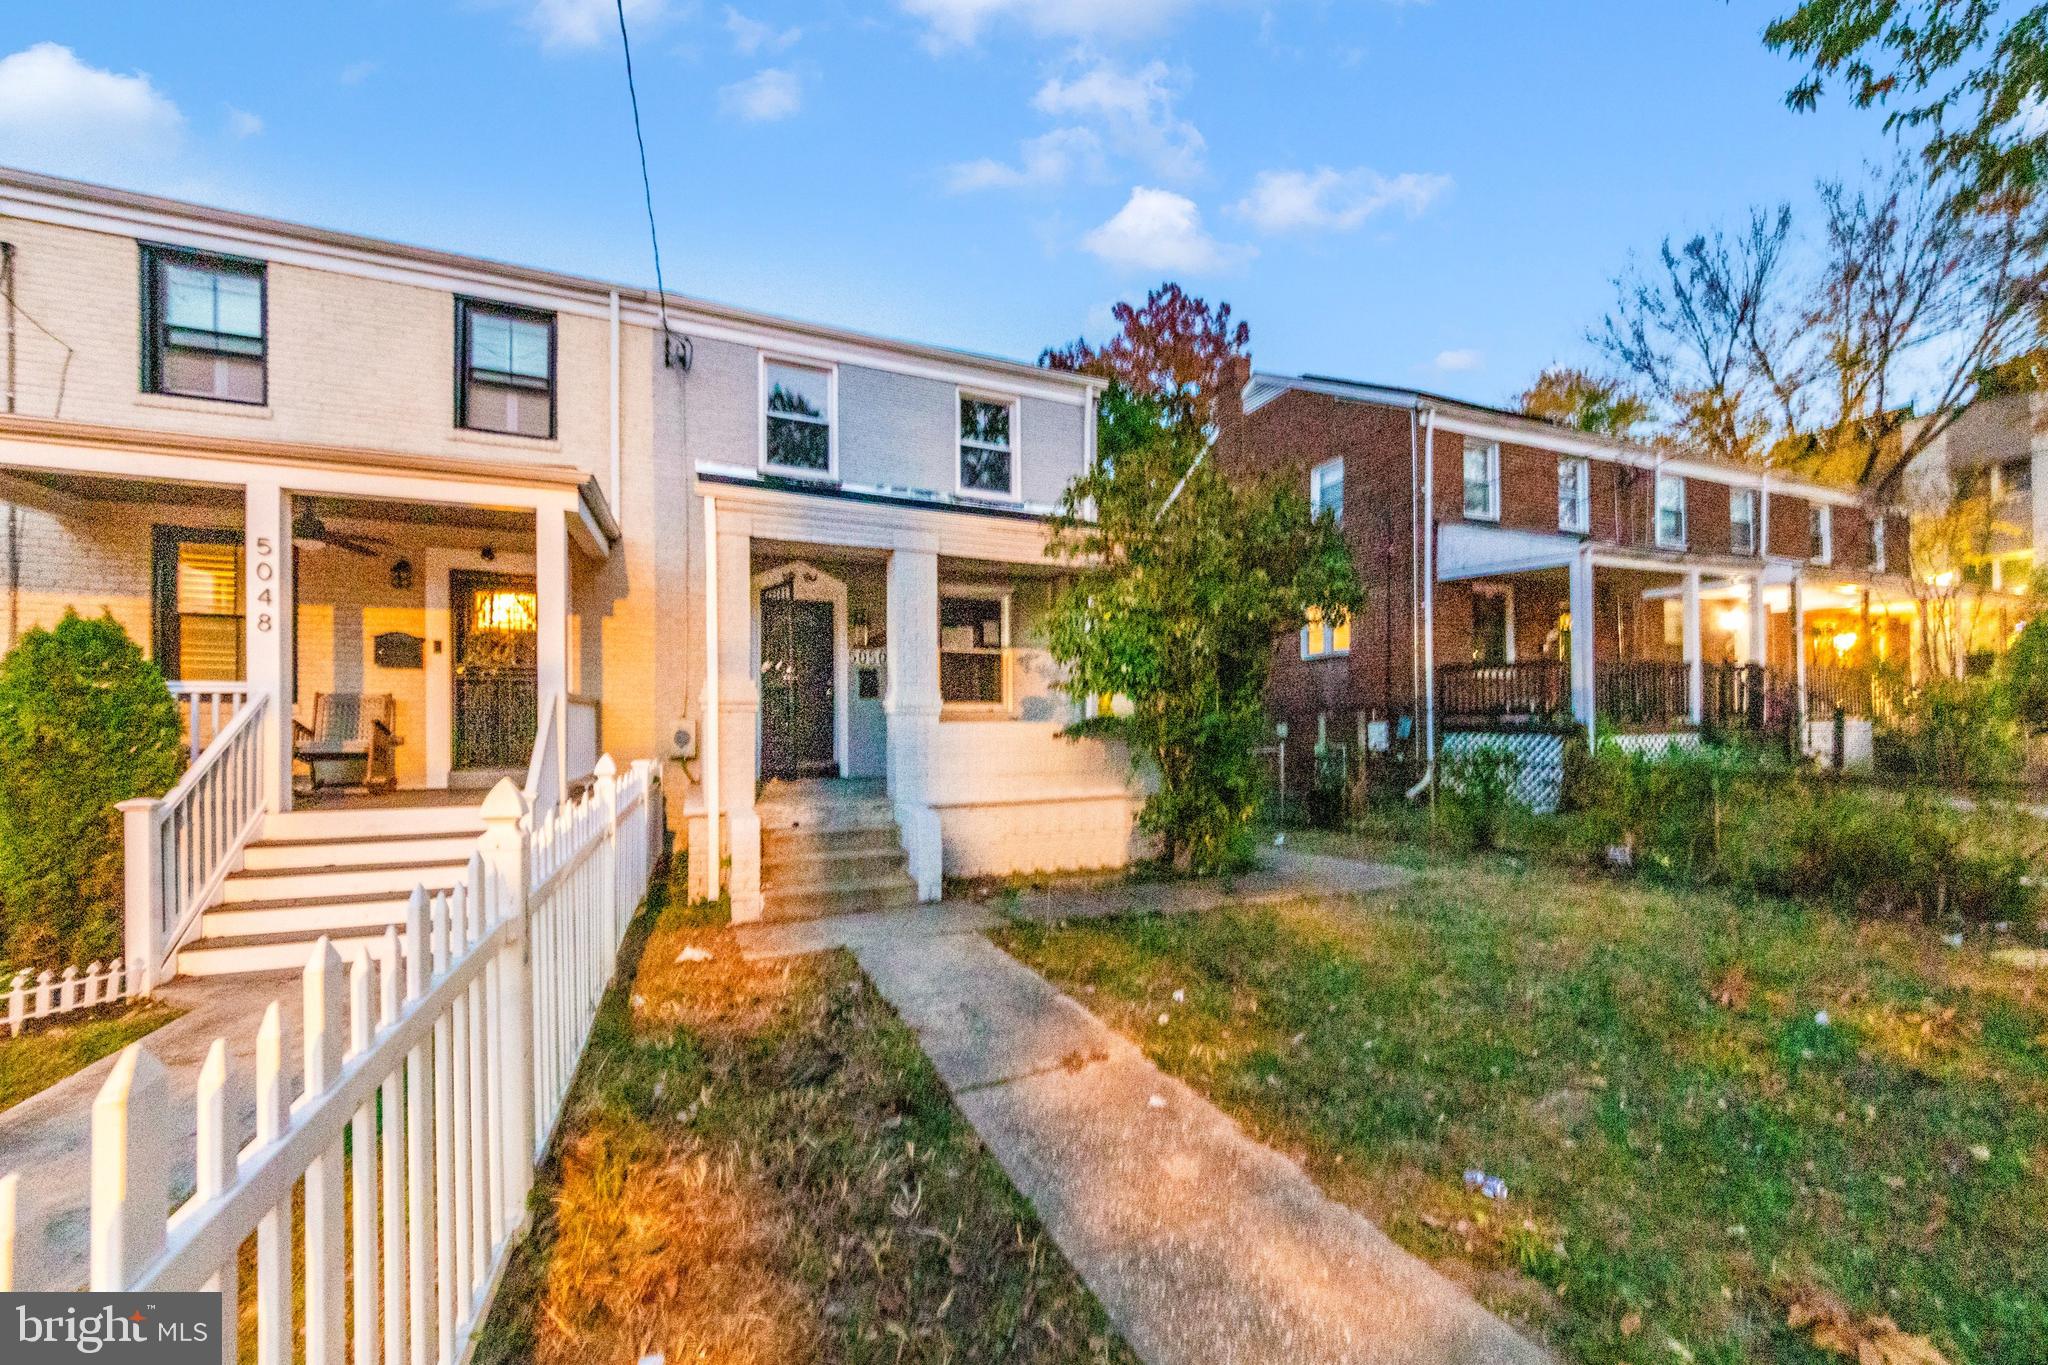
x=551, y=610
x=1759, y=623
x=1583, y=700
x=267, y=623
x=1798, y=618
x=739, y=710
x=912, y=707
x=1695, y=672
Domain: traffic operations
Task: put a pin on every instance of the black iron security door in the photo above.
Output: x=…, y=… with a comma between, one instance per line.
x=797, y=692
x=496, y=640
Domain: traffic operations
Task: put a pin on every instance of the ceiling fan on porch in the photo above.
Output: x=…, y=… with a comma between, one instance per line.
x=308, y=529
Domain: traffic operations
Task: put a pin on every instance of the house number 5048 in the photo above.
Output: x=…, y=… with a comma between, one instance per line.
x=263, y=569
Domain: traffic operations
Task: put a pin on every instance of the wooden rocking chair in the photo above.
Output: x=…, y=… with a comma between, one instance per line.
x=349, y=728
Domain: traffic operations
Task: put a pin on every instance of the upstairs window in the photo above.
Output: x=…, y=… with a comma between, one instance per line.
x=974, y=642
x=1326, y=489
x=1574, y=495
x=1482, y=480
x=197, y=596
x=1742, y=503
x=2016, y=476
x=1821, y=522
x=988, y=464
x=1322, y=639
x=1671, y=511
x=506, y=369
x=202, y=325
x=797, y=410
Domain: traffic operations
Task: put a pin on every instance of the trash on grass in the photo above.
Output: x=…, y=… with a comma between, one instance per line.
x=1157, y=1102
x=693, y=953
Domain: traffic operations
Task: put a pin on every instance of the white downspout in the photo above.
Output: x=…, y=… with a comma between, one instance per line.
x=1428, y=557
x=708, y=748
x=618, y=460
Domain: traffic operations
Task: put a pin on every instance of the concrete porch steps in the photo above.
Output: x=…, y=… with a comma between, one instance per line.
x=345, y=873
x=830, y=848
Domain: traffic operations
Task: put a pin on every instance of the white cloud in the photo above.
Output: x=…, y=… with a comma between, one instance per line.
x=242, y=123
x=764, y=97
x=1333, y=201
x=956, y=23
x=355, y=73
x=2032, y=119
x=564, y=24
x=58, y=114
x=1042, y=162
x=1458, y=361
x=1160, y=230
x=751, y=35
x=1135, y=111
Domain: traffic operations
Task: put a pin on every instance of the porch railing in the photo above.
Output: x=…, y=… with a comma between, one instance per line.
x=1832, y=685
x=433, y=1076
x=581, y=718
x=1643, y=692
x=1746, y=697
x=179, y=849
x=1539, y=689
x=206, y=707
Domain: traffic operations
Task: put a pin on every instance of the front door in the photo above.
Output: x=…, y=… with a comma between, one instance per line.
x=496, y=639
x=797, y=701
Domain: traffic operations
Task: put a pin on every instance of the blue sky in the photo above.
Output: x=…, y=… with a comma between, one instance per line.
x=1435, y=194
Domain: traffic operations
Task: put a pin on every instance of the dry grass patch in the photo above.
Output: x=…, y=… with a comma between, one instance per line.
x=759, y=1165
x=48, y=1052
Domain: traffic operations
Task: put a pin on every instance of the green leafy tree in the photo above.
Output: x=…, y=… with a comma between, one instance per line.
x=85, y=721
x=1584, y=401
x=1971, y=74
x=1184, y=580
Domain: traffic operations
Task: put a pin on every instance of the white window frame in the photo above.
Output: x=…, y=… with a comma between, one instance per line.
x=1823, y=519
x=1328, y=634
x=1582, y=504
x=1750, y=498
x=1316, y=481
x=1016, y=406
x=982, y=710
x=830, y=369
x=1492, y=449
x=1677, y=542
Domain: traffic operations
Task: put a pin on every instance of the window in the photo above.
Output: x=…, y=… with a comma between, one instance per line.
x=1821, y=520
x=202, y=325
x=1320, y=640
x=196, y=584
x=974, y=639
x=1574, y=496
x=1493, y=624
x=1671, y=511
x=505, y=369
x=1326, y=489
x=797, y=403
x=987, y=450
x=1742, y=521
x=2016, y=476
x=1482, y=480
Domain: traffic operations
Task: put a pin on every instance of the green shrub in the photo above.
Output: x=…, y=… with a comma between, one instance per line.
x=1955, y=732
x=1478, y=787
x=1671, y=811
x=85, y=722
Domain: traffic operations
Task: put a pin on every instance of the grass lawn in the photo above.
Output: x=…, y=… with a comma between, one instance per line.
x=46, y=1054
x=1691, y=1155
x=758, y=1164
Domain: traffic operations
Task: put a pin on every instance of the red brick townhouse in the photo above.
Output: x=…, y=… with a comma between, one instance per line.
x=1527, y=580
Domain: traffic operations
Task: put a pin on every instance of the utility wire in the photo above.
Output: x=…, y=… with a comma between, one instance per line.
x=647, y=190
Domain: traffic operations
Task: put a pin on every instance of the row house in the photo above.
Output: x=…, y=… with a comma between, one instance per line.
x=398, y=524
x=1525, y=579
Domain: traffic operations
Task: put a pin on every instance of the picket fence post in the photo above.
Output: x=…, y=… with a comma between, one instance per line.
x=142, y=875
x=131, y=1169
x=506, y=875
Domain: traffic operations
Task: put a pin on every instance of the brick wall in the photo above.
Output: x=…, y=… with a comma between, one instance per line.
x=1707, y=524
x=1791, y=526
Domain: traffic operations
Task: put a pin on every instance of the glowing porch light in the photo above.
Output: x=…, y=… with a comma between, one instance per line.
x=1845, y=641
x=1733, y=620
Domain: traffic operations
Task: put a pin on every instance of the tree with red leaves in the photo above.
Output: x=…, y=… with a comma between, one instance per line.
x=1175, y=349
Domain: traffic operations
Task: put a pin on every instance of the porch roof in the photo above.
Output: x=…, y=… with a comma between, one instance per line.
x=208, y=459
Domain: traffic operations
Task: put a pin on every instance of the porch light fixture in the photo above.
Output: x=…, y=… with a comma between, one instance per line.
x=401, y=574
x=1845, y=641
x=1733, y=619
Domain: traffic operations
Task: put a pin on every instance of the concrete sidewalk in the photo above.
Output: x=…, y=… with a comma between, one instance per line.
x=48, y=1136
x=1203, y=1245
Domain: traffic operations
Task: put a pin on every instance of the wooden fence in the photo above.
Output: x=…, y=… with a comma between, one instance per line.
x=431, y=1085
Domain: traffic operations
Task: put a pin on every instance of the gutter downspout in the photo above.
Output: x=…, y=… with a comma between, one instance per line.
x=1428, y=557
x=618, y=461
x=708, y=746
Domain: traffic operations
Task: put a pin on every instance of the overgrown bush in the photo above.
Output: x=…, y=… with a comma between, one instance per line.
x=85, y=722
x=1478, y=789
x=1954, y=732
x=1671, y=811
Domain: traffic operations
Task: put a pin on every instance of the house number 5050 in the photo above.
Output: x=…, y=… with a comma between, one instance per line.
x=263, y=570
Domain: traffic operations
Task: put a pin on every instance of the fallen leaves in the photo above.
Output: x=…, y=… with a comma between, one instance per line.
x=1733, y=990
x=1874, y=1340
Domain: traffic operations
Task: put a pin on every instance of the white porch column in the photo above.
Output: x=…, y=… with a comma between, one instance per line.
x=1759, y=623
x=267, y=628
x=1582, y=640
x=739, y=709
x=1696, y=677
x=551, y=591
x=912, y=707
x=1798, y=614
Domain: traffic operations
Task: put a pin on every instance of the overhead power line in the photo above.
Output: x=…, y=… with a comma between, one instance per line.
x=675, y=350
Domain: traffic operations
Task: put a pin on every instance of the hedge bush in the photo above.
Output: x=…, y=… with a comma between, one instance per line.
x=85, y=721
x=1478, y=789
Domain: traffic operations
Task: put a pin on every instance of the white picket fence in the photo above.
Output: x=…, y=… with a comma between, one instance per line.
x=431, y=1086
x=40, y=995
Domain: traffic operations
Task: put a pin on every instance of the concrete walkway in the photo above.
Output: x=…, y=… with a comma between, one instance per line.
x=48, y=1136
x=1203, y=1245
